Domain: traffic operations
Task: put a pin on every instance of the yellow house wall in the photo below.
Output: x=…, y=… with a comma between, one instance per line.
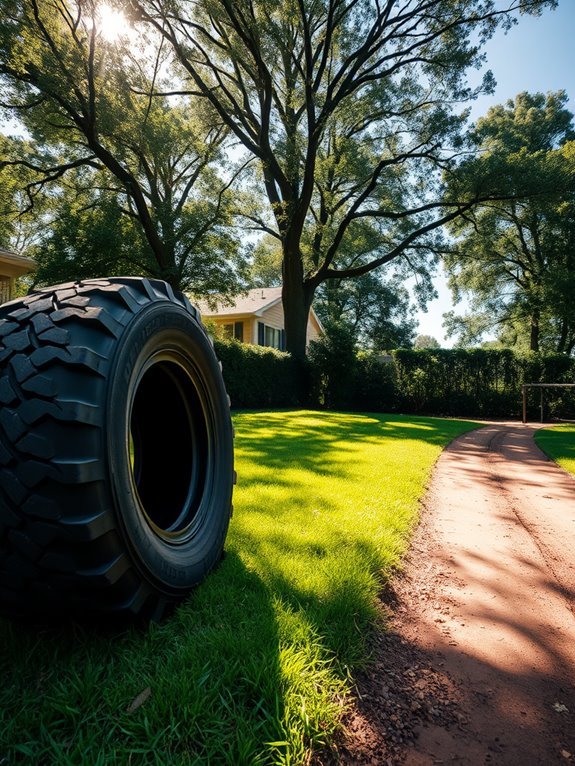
x=7, y=285
x=12, y=266
x=249, y=324
x=273, y=317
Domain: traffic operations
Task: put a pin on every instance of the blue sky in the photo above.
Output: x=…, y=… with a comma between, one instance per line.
x=538, y=54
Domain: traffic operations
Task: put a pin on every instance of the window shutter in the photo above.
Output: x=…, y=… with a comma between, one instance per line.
x=282, y=340
x=261, y=334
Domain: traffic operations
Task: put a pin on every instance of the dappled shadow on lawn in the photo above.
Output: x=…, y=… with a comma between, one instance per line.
x=326, y=442
x=203, y=687
x=252, y=668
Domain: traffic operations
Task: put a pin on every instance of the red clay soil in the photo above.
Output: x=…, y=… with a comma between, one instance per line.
x=478, y=663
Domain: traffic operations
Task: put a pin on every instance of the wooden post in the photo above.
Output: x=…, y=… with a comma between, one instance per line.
x=524, y=389
x=541, y=405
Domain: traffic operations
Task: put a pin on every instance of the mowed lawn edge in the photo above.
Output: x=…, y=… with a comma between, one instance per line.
x=256, y=666
x=558, y=443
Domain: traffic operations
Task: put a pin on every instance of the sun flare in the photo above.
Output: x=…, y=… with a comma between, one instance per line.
x=113, y=23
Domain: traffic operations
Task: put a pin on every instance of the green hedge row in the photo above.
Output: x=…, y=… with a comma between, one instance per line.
x=481, y=383
x=453, y=382
x=260, y=377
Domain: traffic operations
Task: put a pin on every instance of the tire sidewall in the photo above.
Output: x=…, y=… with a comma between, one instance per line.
x=171, y=566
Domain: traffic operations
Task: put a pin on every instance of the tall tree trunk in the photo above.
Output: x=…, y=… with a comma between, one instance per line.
x=534, y=338
x=561, y=343
x=296, y=298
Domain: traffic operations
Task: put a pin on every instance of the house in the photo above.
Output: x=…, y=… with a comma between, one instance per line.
x=256, y=317
x=11, y=267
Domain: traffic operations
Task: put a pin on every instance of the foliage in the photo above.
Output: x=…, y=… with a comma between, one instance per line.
x=480, y=382
x=456, y=382
x=88, y=236
x=18, y=233
x=342, y=378
x=86, y=103
x=266, y=263
x=516, y=257
x=349, y=109
x=376, y=384
x=254, y=667
x=378, y=313
x=425, y=341
x=334, y=367
x=260, y=377
x=559, y=444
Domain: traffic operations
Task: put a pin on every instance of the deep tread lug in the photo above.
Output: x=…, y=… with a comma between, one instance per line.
x=12, y=424
x=25, y=545
x=17, y=341
x=7, y=393
x=41, y=323
x=31, y=473
x=12, y=486
x=7, y=327
x=64, y=549
x=22, y=367
x=41, y=508
x=37, y=446
x=40, y=385
x=56, y=335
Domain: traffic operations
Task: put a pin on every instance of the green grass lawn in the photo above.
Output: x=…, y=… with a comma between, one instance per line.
x=255, y=667
x=559, y=443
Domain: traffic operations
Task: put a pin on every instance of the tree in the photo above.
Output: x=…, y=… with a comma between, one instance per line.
x=83, y=100
x=266, y=265
x=18, y=232
x=348, y=108
x=425, y=341
x=377, y=313
x=516, y=258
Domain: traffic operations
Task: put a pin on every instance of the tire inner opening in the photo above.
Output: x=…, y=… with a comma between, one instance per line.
x=168, y=447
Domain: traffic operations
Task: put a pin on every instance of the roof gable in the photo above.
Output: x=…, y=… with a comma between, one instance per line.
x=251, y=302
x=14, y=265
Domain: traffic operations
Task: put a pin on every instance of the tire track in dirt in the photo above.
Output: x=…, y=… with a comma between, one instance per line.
x=481, y=647
x=525, y=496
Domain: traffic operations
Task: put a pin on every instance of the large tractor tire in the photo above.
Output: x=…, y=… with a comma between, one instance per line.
x=116, y=453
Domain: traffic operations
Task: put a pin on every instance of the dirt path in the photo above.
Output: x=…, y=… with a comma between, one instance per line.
x=479, y=666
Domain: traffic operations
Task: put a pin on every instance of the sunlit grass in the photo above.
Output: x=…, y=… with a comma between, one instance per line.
x=254, y=668
x=559, y=443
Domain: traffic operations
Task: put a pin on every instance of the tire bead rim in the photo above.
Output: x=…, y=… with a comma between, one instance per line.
x=168, y=446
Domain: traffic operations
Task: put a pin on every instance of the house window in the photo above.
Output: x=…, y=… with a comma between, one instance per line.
x=234, y=330
x=271, y=336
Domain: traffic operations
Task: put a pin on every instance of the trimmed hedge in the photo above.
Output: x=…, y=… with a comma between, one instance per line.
x=453, y=382
x=260, y=377
x=481, y=382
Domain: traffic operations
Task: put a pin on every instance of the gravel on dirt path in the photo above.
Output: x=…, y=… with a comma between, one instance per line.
x=478, y=664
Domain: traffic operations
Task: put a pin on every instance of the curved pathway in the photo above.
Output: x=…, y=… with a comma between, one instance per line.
x=484, y=615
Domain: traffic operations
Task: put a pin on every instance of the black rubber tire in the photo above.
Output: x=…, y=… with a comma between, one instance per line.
x=116, y=450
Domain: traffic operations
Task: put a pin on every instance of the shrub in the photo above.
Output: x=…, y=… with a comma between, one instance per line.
x=260, y=377
x=341, y=378
x=480, y=382
x=333, y=368
x=454, y=382
x=376, y=384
